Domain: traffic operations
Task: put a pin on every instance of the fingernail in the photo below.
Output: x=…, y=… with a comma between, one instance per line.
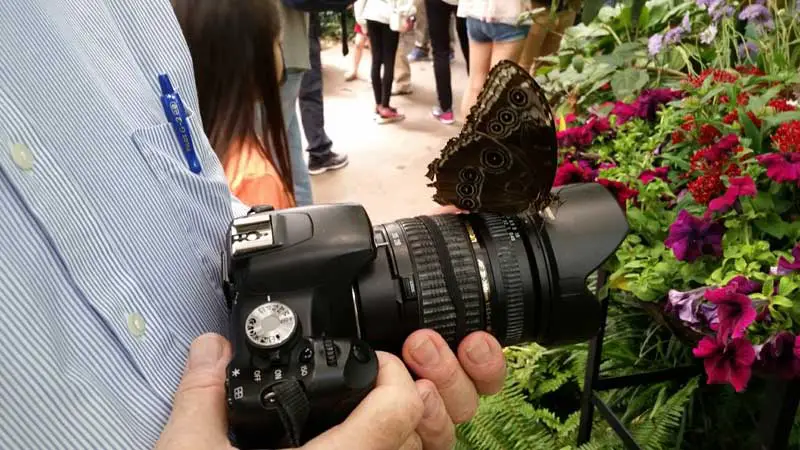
x=425, y=353
x=206, y=352
x=479, y=352
x=429, y=400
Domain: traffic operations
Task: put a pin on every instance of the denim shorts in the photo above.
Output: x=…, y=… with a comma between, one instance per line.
x=480, y=31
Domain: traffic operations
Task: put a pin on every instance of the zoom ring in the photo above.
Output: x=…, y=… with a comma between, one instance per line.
x=466, y=271
x=511, y=277
x=436, y=308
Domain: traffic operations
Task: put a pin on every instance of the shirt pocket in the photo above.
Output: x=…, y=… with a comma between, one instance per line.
x=197, y=206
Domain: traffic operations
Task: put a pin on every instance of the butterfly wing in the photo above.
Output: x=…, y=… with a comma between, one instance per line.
x=504, y=159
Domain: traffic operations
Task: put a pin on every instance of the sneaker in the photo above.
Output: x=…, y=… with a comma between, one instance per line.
x=387, y=115
x=417, y=54
x=446, y=117
x=333, y=161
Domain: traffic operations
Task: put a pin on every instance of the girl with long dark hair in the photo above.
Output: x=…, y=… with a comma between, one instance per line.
x=238, y=65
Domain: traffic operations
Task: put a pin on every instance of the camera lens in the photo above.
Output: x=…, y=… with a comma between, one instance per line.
x=521, y=278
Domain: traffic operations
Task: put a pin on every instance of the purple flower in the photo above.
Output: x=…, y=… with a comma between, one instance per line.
x=748, y=51
x=686, y=305
x=758, y=15
x=736, y=311
x=720, y=9
x=739, y=187
x=691, y=237
x=707, y=36
x=654, y=44
x=685, y=23
x=782, y=167
x=779, y=356
x=784, y=266
x=673, y=36
x=743, y=285
x=710, y=314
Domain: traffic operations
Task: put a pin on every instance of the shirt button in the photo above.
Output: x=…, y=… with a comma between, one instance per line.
x=136, y=325
x=22, y=156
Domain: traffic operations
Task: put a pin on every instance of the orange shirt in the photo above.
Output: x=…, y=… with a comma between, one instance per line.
x=253, y=179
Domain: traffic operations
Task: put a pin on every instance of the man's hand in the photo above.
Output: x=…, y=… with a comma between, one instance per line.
x=399, y=414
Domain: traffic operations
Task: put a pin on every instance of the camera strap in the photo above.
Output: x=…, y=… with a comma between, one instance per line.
x=293, y=409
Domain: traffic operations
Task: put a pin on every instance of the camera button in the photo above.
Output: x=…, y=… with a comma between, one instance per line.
x=306, y=355
x=360, y=353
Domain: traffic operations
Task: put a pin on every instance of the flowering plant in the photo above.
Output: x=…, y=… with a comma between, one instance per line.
x=709, y=174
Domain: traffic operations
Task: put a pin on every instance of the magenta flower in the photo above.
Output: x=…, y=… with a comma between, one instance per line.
x=691, y=237
x=784, y=266
x=624, y=112
x=735, y=310
x=738, y=187
x=743, y=285
x=779, y=355
x=727, y=363
x=686, y=305
x=598, y=125
x=620, y=190
x=649, y=175
x=569, y=173
x=782, y=167
x=577, y=137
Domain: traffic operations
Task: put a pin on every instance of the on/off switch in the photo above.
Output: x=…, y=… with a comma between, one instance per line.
x=330, y=352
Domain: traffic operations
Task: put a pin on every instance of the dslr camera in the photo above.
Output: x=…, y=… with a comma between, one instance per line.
x=314, y=291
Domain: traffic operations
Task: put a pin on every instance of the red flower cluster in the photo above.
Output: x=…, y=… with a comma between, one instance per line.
x=708, y=134
x=712, y=162
x=719, y=76
x=780, y=105
x=733, y=117
x=687, y=126
x=741, y=99
x=750, y=70
x=787, y=137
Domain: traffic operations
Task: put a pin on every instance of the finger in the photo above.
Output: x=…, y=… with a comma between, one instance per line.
x=482, y=358
x=414, y=442
x=428, y=355
x=385, y=419
x=436, y=430
x=198, y=418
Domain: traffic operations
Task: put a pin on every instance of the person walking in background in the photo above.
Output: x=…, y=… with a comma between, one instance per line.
x=361, y=40
x=296, y=61
x=233, y=70
x=421, y=48
x=546, y=31
x=494, y=35
x=402, y=69
x=312, y=112
x=377, y=15
x=439, y=13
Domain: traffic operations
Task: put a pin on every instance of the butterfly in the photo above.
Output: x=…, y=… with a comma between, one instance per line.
x=504, y=160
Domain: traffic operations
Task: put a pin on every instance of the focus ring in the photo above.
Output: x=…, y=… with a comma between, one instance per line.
x=463, y=262
x=510, y=274
x=436, y=308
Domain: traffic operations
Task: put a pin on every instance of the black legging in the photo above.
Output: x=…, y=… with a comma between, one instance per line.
x=383, y=44
x=439, y=14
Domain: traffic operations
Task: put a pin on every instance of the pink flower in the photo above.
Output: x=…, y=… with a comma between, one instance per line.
x=622, y=192
x=598, y=125
x=727, y=363
x=735, y=310
x=743, y=285
x=782, y=167
x=738, y=187
x=624, y=112
x=779, y=355
x=691, y=237
x=577, y=137
x=649, y=175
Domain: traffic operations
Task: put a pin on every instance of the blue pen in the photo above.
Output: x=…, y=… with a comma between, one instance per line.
x=176, y=115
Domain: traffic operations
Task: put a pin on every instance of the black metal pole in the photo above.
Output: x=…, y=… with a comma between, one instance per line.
x=594, y=359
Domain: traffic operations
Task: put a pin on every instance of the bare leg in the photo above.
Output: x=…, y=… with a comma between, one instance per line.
x=361, y=42
x=480, y=57
x=506, y=50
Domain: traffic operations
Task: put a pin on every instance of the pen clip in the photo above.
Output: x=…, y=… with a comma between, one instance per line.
x=176, y=115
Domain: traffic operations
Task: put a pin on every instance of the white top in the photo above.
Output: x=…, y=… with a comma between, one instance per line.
x=381, y=10
x=503, y=11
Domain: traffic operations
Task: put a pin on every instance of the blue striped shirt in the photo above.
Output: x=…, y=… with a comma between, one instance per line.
x=110, y=245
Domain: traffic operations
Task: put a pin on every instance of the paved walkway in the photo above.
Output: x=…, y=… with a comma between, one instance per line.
x=387, y=162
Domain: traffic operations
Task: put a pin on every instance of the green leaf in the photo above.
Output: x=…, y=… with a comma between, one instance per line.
x=590, y=10
x=756, y=104
x=751, y=131
x=777, y=119
x=628, y=82
x=786, y=286
x=773, y=225
x=779, y=300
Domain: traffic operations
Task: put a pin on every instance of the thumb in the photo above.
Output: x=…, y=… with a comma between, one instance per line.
x=198, y=420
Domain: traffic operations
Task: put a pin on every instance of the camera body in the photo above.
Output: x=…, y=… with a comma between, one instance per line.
x=297, y=365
